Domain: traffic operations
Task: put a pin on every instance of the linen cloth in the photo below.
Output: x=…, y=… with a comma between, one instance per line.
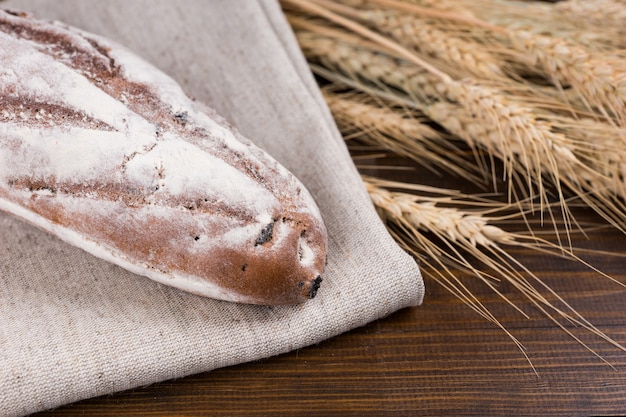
x=73, y=326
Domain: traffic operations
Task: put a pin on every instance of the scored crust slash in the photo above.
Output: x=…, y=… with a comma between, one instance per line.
x=106, y=152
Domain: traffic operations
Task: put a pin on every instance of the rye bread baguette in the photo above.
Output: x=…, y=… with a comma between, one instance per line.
x=106, y=152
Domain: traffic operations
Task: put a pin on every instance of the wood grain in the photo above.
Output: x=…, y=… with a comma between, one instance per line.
x=438, y=359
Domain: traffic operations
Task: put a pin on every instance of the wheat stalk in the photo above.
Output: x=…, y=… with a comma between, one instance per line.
x=366, y=63
x=608, y=15
x=401, y=131
x=471, y=232
x=597, y=24
x=599, y=78
x=459, y=57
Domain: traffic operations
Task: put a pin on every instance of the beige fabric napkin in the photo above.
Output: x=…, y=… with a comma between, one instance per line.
x=73, y=326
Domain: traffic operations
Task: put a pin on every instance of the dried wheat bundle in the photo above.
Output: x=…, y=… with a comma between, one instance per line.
x=521, y=83
x=532, y=133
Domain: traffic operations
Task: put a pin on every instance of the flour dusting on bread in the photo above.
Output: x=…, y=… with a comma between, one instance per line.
x=105, y=151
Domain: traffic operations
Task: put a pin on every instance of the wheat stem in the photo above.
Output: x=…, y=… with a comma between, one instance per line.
x=398, y=130
x=311, y=6
x=471, y=232
x=461, y=56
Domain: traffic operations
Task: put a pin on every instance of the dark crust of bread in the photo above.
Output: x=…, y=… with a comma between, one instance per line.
x=177, y=238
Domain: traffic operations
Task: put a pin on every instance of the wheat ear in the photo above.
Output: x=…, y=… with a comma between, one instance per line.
x=600, y=79
x=470, y=233
x=401, y=131
x=459, y=57
x=608, y=15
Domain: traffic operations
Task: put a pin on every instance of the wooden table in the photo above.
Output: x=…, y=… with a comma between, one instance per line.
x=437, y=359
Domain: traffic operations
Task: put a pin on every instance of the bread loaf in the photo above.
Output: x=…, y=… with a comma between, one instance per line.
x=106, y=152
